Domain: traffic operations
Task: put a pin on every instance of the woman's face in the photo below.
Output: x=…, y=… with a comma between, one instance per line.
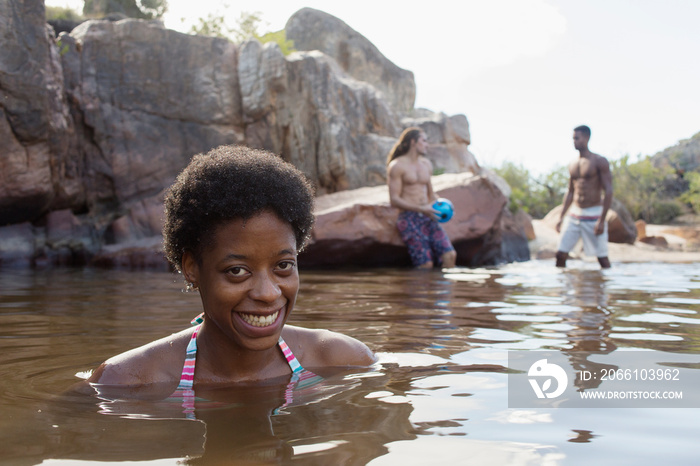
x=248, y=279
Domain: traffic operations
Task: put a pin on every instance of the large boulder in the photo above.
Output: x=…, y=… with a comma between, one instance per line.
x=449, y=139
x=353, y=227
x=315, y=30
x=34, y=120
x=149, y=98
x=621, y=227
x=358, y=227
x=341, y=128
x=334, y=128
x=96, y=123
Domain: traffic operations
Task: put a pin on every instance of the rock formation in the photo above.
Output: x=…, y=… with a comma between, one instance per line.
x=359, y=227
x=95, y=124
x=35, y=174
x=683, y=157
x=315, y=30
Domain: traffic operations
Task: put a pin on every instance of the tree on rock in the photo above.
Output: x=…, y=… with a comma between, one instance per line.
x=141, y=9
x=247, y=27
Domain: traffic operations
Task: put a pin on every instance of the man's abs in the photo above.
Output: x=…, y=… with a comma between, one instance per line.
x=415, y=193
x=587, y=192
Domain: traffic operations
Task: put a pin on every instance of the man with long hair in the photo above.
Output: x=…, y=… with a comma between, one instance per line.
x=410, y=190
x=587, y=203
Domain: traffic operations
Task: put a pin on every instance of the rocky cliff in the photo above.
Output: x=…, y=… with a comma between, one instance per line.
x=683, y=157
x=96, y=123
x=315, y=30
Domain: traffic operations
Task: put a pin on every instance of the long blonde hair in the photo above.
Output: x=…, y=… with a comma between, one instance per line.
x=404, y=143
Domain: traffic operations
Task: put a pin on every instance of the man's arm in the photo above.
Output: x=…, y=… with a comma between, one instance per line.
x=606, y=183
x=568, y=199
x=432, y=197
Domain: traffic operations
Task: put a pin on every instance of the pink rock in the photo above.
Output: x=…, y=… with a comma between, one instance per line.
x=658, y=241
x=641, y=226
x=358, y=227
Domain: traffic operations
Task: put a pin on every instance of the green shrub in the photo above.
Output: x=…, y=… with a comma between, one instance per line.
x=247, y=27
x=654, y=194
x=665, y=211
x=280, y=37
x=56, y=13
x=692, y=195
x=535, y=195
x=640, y=186
x=141, y=9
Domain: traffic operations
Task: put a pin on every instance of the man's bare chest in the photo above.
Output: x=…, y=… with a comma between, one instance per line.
x=417, y=175
x=583, y=170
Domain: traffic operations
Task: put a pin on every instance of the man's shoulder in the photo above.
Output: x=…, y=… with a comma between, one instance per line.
x=592, y=157
x=599, y=159
x=396, y=164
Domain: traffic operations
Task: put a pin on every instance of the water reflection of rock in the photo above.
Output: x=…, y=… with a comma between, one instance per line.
x=590, y=326
x=582, y=436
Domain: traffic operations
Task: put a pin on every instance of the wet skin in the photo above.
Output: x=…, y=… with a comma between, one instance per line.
x=410, y=187
x=589, y=178
x=409, y=180
x=248, y=281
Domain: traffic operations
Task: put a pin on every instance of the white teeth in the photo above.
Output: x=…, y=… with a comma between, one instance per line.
x=259, y=321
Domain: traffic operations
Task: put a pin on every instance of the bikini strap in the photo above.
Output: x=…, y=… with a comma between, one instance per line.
x=187, y=377
x=289, y=356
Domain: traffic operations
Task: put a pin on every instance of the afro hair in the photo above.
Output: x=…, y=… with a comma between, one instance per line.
x=228, y=183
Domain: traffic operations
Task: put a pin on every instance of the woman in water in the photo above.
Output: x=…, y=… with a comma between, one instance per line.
x=235, y=220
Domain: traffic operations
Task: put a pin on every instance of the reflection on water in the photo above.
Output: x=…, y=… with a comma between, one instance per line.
x=439, y=393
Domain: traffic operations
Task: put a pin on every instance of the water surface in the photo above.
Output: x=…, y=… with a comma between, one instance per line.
x=438, y=395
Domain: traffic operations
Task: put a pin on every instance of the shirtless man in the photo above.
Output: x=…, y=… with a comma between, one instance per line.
x=589, y=178
x=410, y=190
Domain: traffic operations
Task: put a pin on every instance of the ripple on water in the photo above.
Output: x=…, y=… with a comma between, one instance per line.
x=645, y=337
x=658, y=318
x=442, y=342
x=674, y=310
x=676, y=300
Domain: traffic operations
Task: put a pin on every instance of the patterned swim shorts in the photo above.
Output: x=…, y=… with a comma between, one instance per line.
x=424, y=237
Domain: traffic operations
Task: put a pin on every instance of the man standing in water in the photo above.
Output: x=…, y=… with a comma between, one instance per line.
x=589, y=178
x=410, y=190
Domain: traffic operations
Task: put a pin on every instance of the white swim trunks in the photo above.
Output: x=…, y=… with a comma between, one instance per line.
x=580, y=223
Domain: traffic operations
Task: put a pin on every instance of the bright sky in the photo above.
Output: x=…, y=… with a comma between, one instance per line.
x=526, y=72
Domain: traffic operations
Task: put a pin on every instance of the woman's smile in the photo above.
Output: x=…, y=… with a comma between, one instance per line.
x=248, y=279
x=260, y=324
x=258, y=320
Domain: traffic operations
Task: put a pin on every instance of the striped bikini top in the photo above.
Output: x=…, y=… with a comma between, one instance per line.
x=187, y=377
x=184, y=392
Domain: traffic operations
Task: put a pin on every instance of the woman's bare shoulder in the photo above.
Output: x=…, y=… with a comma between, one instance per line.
x=325, y=348
x=155, y=362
